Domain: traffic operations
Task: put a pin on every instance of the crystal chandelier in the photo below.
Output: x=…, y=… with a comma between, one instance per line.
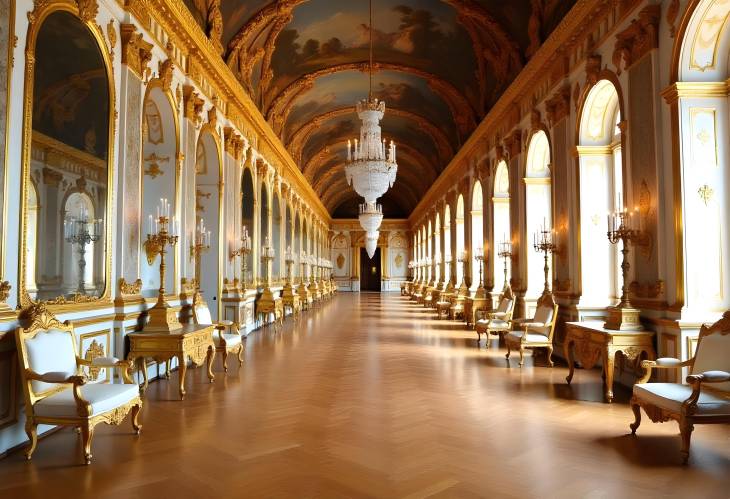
x=369, y=170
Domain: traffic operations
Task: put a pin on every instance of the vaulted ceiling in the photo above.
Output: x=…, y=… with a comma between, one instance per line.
x=440, y=65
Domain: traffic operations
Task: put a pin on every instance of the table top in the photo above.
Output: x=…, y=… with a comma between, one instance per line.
x=597, y=326
x=185, y=330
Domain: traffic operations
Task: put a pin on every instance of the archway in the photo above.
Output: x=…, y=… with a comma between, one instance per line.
x=248, y=202
x=460, y=241
x=539, y=213
x=160, y=178
x=501, y=223
x=265, y=239
x=448, y=254
x=207, y=209
x=438, y=253
x=276, y=236
x=601, y=192
x=477, y=233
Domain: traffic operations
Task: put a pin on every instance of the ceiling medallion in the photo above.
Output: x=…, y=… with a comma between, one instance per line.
x=369, y=170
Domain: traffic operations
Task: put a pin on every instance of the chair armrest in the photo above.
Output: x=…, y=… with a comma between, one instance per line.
x=56, y=377
x=124, y=366
x=219, y=327
x=225, y=323
x=661, y=363
x=528, y=325
x=689, y=406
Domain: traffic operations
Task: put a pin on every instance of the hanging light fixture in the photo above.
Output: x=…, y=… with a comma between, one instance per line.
x=371, y=242
x=369, y=170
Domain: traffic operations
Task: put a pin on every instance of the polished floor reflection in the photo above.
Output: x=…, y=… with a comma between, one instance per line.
x=370, y=396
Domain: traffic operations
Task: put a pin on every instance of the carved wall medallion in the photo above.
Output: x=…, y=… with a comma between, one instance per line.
x=340, y=261
x=154, y=161
x=111, y=33
x=706, y=192
x=399, y=261
x=133, y=288
x=95, y=350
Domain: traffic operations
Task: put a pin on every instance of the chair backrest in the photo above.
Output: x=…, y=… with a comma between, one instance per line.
x=547, y=313
x=45, y=346
x=201, y=313
x=505, y=305
x=713, y=350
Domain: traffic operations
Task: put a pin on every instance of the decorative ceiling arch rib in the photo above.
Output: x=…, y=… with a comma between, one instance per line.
x=298, y=138
x=461, y=111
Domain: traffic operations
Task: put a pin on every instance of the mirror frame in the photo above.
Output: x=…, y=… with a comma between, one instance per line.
x=36, y=19
x=11, y=41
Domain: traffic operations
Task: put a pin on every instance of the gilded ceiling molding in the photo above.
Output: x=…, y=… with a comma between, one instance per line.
x=557, y=107
x=593, y=69
x=245, y=68
x=136, y=53
x=164, y=73
x=300, y=137
x=267, y=74
x=193, y=105
x=479, y=50
x=256, y=24
x=639, y=38
x=461, y=110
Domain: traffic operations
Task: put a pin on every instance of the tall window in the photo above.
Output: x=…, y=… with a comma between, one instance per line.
x=501, y=227
x=477, y=232
x=447, y=243
x=460, y=239
x=601, y=188
x=437, y=249
x=539, y=209
x=429, y=250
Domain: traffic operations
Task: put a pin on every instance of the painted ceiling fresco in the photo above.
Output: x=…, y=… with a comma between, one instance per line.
x=439, y=65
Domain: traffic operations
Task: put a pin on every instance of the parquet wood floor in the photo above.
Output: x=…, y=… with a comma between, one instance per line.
x=370, y=396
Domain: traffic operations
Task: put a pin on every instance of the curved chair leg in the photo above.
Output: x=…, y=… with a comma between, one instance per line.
x=240, y=355
x=550, y=356
x=479, y=337
x=225, y=359
x=522, y=355
x=637, y=417
x=136, y=410
x=87, y=435
x=31, y=430
x=685, y=430
x=509, y=350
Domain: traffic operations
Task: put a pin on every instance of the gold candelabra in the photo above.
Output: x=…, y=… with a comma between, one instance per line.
x=481, y=291
x=623, y=316
x=163, y=233
x=505, y=253
x=201, y=245
x=543, y=243
x=461, y=258
x=243, y=251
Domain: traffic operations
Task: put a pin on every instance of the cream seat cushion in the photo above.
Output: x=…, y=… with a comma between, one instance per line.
x=531, y=337
x=670, y=396
x=493, y=323
x=228, y=339
x=103, y=397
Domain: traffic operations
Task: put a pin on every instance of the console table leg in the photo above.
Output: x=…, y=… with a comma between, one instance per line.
x=569, y=354
x=183, y=367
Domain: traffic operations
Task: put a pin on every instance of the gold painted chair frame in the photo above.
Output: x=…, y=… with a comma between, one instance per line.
x=530, y=326
x=701, y=384
x=500, y=328
x=43, y=321
x=220, y=326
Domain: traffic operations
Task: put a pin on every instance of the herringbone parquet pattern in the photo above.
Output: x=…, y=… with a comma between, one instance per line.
x=369, y=396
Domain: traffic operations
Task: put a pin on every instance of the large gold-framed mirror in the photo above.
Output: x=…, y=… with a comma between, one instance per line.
x=7, y=36
x=67, y=159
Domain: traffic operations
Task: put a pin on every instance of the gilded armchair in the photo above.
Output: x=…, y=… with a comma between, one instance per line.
x=538, y=331
x=225, y=343
x=55, y=388
x=497, y=322
x=705, y=399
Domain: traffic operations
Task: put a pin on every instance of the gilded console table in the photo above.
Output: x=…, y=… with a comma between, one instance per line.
x=474, y=305
x=590, y=342
x=191, y=341
x=274, y=306
x=292, y=302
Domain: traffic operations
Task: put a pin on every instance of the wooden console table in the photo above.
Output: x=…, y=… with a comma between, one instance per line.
x=191, y=341
x=590, y=342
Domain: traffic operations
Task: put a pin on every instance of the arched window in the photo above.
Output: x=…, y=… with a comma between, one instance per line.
x=276, y=235
x=501, y=223
x=247, y=216
x=447, y=244
x=429, y=252
x=601, y=188
x=477, y=232
x=297, y=249
x=460, y=239
x=701, y=125
x=207, y=209
x=437, y=252
x=538, y=201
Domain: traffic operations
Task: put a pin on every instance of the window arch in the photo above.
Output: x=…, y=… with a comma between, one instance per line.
x=460, y=239
x=501, y=219
x=248, y=201
x=477, y=232
x=538, y=204
x=207, y=208
x=438, y=257
x=276, y=235
x=447, y=244
x=601, y=188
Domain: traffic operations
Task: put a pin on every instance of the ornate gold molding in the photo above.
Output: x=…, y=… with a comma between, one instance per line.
x=133, y=288
x=136, y=53
x=193, y=105
x=638, y=39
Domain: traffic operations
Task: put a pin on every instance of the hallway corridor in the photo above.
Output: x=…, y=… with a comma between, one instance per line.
x=369, y=396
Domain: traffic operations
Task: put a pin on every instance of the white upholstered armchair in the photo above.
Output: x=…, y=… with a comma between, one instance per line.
x=225, y=343
x=705, y=399
x=55, y=388
x=497, y=322
x=537, y=332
